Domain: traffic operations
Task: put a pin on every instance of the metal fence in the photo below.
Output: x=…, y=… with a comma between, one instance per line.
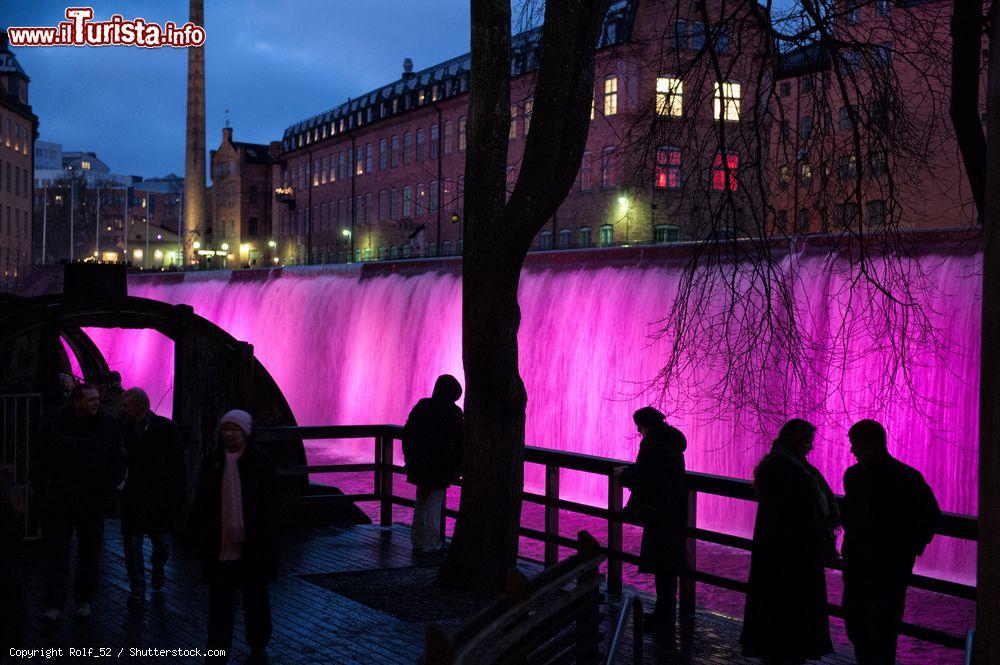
x=20, y=414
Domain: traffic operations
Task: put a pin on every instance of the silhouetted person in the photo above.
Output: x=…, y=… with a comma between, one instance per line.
x=659, y=502
x=109, y=385
x=432, y=448
x=154, y=490
x=890, y=515
x=79, y=464
x=12, y=592
x=235, y=521
x=793, y=539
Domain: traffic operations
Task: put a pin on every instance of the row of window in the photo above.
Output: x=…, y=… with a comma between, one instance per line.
x=846, y=215
x=877, y=116
x=383, y=109
x=14, y=135
x=847, y=167
x=669, y=98
x=15, y=179
x=15, y=223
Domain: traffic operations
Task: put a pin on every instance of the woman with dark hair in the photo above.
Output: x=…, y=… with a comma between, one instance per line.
x=659, y=503
x=235, y=521
x=786, y=620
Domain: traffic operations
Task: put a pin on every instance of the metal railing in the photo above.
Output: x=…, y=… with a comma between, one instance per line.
x=632, y=603
x=554, y=461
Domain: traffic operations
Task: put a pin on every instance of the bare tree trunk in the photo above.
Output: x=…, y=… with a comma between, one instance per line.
x=967, y=22
x=496, y=239
x=988, y=572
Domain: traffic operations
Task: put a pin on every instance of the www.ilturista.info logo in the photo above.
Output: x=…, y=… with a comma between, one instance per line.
x=81, y=30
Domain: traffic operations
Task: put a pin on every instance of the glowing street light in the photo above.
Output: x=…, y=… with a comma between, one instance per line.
x=225, y=247
x=244, y=248
x=346, y=233
x=272, y=244
x=197, y=245
x=622, y=200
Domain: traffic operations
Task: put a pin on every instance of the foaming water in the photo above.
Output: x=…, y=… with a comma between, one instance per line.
x=346, y=349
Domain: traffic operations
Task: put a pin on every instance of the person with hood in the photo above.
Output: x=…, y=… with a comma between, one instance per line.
x=432, y=448
x=786, y=619
x=890, y=516
x=659, y=502
x=78, y=465
x=234, y=520
x=153, y=496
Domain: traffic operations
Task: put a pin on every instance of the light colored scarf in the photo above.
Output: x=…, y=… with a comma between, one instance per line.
x=231, y=512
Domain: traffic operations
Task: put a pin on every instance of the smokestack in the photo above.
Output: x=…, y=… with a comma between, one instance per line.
x=194, y=162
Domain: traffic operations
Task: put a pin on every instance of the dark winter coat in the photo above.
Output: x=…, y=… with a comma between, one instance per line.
x=890, y=515
x=79, y=462
x=154, y=490
x=660, y=500
x=258, y=484
x=786, y=605
x=432, y=443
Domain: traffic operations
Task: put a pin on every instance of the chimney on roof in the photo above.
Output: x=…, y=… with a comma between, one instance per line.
x=407, y=68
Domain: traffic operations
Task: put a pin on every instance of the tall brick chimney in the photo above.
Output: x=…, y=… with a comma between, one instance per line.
x=194, y=162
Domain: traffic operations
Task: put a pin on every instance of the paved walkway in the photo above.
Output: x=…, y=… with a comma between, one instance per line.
x=311, y=624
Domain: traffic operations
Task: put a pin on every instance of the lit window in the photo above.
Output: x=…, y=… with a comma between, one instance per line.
x=847, y=167
x=668, y=168
x=724, y=174
x=611, y=95
x=805, y=175
x=529, y=105
x=727, y=101
x=85, y=165
x=606, y=236
x=670, y=97
x=784, y=176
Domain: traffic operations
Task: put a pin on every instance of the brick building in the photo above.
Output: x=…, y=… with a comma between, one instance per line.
x=381, y=176
x=906, y=163
x=18, y=131
x=240, y=201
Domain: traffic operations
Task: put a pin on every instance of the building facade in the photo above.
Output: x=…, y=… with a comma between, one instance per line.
x=18, y=131
x=240, y=202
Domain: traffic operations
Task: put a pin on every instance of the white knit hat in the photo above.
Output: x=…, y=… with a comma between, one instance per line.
x=241, y=419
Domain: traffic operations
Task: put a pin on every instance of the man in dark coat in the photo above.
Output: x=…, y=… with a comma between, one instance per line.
x=79, y=464
x=659, y=502
x=432, y=448
x=154, y=490
x=234, y=520
x=890, y=516
x=786, y=620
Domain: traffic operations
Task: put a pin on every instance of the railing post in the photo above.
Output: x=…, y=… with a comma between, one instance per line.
x=385, y=489
x=551, y=513
x=687, y=599
x=614, y=535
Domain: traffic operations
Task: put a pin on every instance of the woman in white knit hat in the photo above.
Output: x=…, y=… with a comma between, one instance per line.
x=235, y=519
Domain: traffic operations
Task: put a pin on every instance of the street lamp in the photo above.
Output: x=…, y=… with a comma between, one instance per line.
x=225, y=247
x=454, y=218
x=346, y=233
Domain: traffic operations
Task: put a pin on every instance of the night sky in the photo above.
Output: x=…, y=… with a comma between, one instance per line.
x=270, y=67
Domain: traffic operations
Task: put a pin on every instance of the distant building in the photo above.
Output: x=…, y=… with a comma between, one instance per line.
x=240, y=202
x=18, y=131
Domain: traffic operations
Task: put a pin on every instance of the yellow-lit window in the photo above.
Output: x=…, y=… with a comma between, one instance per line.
x=670, y=97
x=85, y=165
x=611, y=95
x=727, y=101
x=593, y=108
x=529, y=105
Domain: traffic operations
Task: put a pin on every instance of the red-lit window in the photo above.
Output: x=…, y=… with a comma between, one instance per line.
x=719, y=182
x=668, y=168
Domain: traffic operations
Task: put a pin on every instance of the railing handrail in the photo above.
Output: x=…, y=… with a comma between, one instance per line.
x=954, y=525
x=630, y=603
x=960, y=526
